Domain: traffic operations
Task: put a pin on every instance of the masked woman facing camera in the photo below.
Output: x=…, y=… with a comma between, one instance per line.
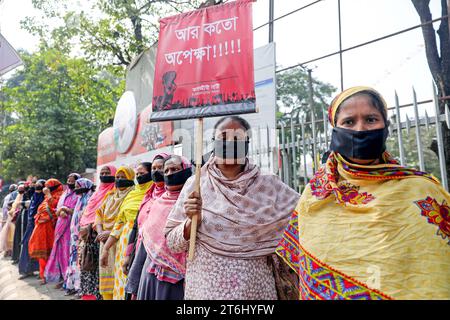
x=156, y=191
x=105, y=218
x=162, y=271
x=241, y=215
x=41, y=240
x=124, y=225
x=58, y=262
x=366, y=227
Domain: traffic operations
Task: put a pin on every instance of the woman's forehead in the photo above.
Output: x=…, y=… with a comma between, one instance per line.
x=357, y=104
x=230, y=124
x=158, y=161
x=173, y=162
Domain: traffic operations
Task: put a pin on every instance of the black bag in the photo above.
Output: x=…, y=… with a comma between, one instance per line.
x=88, y=254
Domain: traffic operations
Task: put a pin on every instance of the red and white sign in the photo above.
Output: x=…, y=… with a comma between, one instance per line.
x=204, y=63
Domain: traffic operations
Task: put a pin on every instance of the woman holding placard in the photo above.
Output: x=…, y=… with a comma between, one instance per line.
x=241, y=212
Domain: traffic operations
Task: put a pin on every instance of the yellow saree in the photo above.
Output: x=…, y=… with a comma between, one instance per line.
x=370, y=232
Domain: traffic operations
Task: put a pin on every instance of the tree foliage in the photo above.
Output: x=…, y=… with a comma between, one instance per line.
x=293, y=95
x=57, y=107
x=110, y=32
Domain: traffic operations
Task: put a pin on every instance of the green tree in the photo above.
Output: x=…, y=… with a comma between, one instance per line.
x=293, y=95
x=293, y=104
x=110, y=32
x=58, y=105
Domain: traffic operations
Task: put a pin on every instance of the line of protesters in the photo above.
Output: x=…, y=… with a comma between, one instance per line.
x=364, y=228
x=112, y=243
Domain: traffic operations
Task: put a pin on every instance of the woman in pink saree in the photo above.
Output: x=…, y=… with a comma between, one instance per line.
x=55, y=271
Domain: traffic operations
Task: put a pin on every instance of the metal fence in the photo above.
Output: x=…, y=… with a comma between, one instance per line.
x=302, y=144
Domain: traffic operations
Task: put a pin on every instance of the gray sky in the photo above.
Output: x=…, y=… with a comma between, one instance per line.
x=394, y=64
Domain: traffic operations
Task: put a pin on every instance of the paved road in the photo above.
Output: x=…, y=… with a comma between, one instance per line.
x=11, y=288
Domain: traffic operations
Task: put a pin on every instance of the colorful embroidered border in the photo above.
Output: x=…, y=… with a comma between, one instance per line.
x=325, y=180
x=319, y=281
x=288, y=247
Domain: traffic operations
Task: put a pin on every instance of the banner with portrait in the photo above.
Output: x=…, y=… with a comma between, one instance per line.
x=204, y=63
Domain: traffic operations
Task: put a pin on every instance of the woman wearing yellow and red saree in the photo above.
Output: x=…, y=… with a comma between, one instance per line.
x=366, y=227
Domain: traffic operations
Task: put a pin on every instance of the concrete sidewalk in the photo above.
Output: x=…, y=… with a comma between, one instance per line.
x=11, y=288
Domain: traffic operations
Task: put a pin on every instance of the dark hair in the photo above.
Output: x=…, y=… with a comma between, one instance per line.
x=242, y=122
x=374, y=99
x=147, y=166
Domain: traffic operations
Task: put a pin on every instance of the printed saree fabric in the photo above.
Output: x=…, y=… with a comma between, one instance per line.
x=370, y=232
x=242, y=217
x=41, y=241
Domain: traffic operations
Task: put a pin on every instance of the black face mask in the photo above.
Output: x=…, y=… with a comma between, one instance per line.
x=124, y=183
x=22, y=192
x=107, y=179
x=363, y=145
x=71, y=186
x=178, y=178
x=39, y=188
x=54, y=188
x=144, y=178
x=237, y=149
x=81, y=190
x=157, y=176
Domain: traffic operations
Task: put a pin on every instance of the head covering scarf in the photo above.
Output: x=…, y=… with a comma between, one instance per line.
x=69, y=198
x=242, y=217
x=344, y=95
x=107, y=213
x=152, y=194
x=369, y=231
x=36, y=200
x=153, y=232
x=132, y=202
x=96, y=200
x=41, y=241
x=84, y=198
x=75, y=175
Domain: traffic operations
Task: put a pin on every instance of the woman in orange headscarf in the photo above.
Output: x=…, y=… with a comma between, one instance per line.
x=41, y=241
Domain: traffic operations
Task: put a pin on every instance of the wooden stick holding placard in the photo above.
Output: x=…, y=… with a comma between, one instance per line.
x=198, y=168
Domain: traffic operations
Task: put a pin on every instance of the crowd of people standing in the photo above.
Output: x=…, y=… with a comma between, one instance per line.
x=363, y=228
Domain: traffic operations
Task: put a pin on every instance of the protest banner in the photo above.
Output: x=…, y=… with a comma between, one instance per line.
x=204, y=68
x=204, y=64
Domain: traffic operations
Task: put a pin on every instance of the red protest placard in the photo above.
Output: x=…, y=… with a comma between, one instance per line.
x=204, y=63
